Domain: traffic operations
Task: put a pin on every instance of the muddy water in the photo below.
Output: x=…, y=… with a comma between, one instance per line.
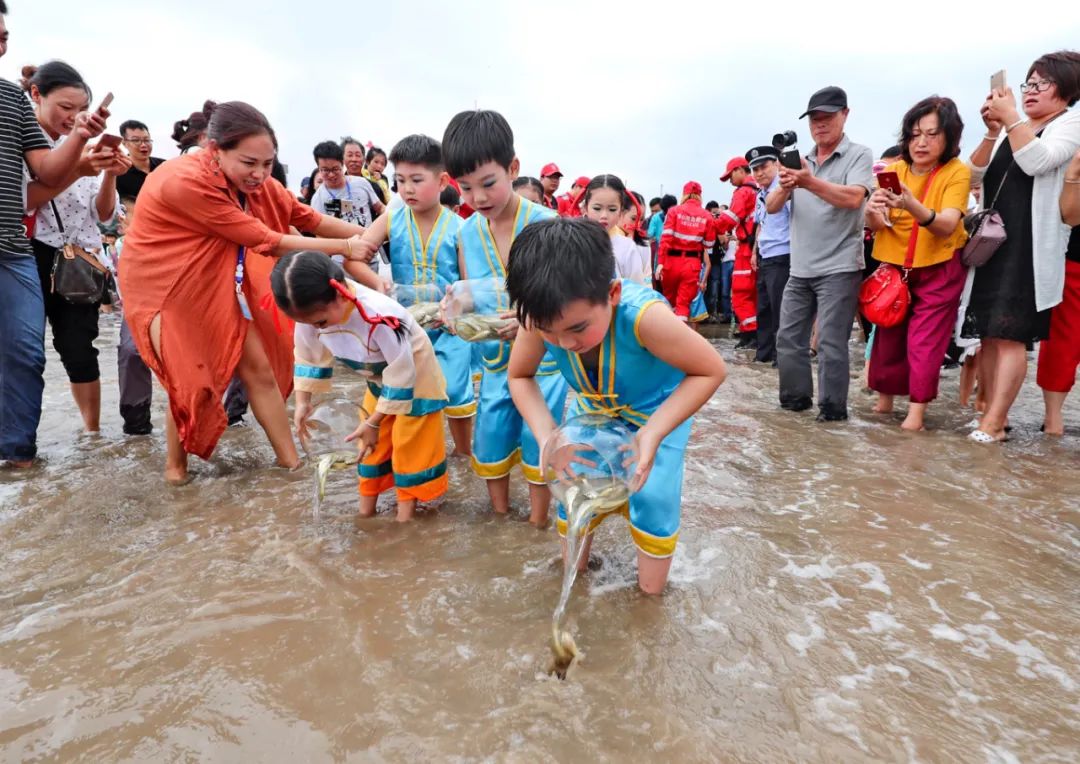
x=841, y=593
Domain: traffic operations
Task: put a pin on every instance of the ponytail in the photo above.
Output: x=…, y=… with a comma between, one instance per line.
x=305, y=281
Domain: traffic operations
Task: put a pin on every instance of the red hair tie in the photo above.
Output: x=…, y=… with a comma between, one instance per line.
x=392, y=322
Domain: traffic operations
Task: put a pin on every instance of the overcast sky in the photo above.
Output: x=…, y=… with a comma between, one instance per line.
x=658, y=95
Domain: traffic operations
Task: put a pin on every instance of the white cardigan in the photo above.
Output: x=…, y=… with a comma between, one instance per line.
x=1045, y=158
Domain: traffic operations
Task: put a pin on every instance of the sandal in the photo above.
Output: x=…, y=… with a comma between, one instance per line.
x=984, y=437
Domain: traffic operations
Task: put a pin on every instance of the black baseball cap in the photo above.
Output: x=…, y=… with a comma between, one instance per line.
x=756, y=156
x=830, y=99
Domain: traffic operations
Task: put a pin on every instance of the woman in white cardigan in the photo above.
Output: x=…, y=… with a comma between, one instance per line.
x=1021, y=163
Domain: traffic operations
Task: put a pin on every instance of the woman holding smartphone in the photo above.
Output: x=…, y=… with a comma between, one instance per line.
x=917, y=225
x=70, y=216
x=195, y=278
x=1021, y=164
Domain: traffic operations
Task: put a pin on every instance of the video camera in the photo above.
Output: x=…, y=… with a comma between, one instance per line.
x=789, y=154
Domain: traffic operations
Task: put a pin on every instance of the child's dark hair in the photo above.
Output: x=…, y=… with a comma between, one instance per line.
x=450, y=197
x=554, y=262
x=607, y=181
x=712, y=205
x=668, y=202
x=328, y=150
x=524, y=180
x=52, y=76
x=307, y=280
x=417, y=149
x=654, y=202
x=373, y=152
x=475, y=137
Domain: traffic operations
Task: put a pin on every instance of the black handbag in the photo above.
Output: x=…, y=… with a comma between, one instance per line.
x=77, y=275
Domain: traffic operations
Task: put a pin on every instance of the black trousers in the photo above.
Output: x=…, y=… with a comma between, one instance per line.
x=74, y=327
x=772, y=277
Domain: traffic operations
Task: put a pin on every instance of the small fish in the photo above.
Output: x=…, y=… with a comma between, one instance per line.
x=584, y=501
x=425, y=313
x=474, y=328
x=327, y=462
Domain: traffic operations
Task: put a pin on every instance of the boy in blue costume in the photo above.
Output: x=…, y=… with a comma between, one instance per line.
x=478, y=149
x=627, y=355
x=423, y=240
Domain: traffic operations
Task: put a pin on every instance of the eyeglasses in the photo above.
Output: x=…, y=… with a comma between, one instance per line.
x=140, y=141
x=1038, y=87
x=330, y=171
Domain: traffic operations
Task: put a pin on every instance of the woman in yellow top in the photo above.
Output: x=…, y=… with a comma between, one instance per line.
x=926, y=218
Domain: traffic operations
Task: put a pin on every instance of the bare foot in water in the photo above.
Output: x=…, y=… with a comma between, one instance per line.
x=884, y=404
x=177, y=476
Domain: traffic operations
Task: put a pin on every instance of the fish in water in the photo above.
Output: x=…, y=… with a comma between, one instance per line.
x=584, y=501
x=426, y=314
x=327, y=462
x=474, y=328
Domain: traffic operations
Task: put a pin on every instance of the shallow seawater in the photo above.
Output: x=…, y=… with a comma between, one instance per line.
x=841, y=592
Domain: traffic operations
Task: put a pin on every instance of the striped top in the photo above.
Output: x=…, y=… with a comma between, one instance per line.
x=19, y=134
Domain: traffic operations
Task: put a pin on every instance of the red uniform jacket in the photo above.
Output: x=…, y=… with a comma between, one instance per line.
x=687, y=227
x=739, y=217
x=568, y=205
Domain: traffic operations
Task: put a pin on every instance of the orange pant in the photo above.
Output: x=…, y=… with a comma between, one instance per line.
x=410, y=456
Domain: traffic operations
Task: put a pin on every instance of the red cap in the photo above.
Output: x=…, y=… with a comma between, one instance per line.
x=583, y=181
x=692, y=187
x=550, y=169
x=733, y=165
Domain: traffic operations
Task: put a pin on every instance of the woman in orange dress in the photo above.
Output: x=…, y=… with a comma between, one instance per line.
x=196, y=270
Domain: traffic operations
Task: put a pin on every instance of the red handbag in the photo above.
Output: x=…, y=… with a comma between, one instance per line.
x=884, y=297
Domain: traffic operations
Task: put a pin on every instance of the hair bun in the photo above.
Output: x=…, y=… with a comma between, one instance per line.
x=208, y=109
x=28, y=73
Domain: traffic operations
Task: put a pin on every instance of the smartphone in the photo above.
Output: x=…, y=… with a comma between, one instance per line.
x=791, y=159
x=109, y=141
x=997, y=80
x=106, y=101
x=890, y=181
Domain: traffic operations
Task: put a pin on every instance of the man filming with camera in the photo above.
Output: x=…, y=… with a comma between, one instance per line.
x=827, y=192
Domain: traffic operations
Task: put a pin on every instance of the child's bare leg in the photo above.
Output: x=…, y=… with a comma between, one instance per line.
x=406, y=509
x=583, y=560
x=652, y=573
x=367, y=505
x=499, y=493
x=967, y=381
x=539, y=503
x=461, y=433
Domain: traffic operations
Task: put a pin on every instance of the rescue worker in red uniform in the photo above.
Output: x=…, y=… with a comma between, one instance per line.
x=569, y=204
x=688, y=231
x=738, y=219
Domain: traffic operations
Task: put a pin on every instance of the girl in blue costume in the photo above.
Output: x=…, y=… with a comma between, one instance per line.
x=626, y=354
x=423, y=240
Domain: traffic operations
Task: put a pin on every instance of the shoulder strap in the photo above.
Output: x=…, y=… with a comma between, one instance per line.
x=909, y=258
x=59, y=220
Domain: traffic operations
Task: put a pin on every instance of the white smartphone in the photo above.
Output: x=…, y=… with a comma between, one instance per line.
x=997, y=80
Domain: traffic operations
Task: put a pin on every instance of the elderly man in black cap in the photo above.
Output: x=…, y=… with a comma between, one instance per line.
x=827, y=195
x=772, y=250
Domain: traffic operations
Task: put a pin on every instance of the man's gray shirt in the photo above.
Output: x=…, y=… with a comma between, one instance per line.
x=825, y=239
